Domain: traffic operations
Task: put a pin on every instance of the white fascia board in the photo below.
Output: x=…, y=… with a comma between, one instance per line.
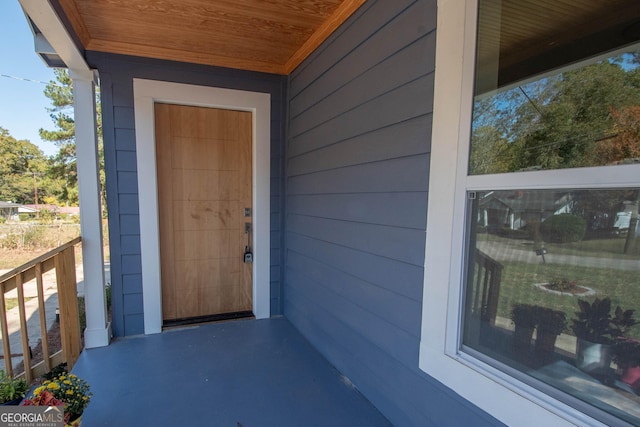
x=48, y=22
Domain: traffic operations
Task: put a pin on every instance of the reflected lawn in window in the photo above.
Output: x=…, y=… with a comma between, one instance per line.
x=519, y=282
x=537, y=253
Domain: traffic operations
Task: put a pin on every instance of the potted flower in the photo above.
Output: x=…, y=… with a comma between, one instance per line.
x=524, y=317
x=550, y=324
x=45, y=398
x=626, y=355
x=72, y=391
x=12, y=390
x=597, y=331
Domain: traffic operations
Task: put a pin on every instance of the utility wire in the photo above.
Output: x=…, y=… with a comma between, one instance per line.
x=531, y=102
x=24, y=79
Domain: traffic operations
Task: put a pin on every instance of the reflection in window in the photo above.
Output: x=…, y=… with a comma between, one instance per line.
x=553, y=294
x=547, y=97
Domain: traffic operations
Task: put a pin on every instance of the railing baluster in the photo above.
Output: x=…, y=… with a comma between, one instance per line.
x=62, y=259
x=24, y=332
x=487, y=285
x=44, y=342
x=68, y=300
x=6, y=346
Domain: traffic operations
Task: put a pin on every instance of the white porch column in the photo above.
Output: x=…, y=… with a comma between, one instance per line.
x=98, y=331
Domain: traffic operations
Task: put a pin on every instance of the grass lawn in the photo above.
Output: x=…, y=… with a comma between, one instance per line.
x=20, y=243
x=518, y=279
x=612, y=247
x=11, y=258
x=13, y=302
x=601, y=248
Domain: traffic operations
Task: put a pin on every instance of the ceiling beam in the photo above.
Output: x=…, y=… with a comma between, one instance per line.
x=46, y=19
x=160, y=52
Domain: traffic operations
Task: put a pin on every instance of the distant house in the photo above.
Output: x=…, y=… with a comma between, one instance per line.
x=69, y=210
x=29, y=210
x=9, y=210
x=56, y=210
x=514, y=210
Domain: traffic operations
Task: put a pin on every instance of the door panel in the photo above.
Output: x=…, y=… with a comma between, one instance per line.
x=204, y=183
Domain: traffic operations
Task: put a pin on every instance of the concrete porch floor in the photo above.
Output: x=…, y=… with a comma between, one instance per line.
x=252, y=373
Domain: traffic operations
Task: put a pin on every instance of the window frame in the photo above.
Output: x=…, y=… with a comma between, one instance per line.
x=493, y=390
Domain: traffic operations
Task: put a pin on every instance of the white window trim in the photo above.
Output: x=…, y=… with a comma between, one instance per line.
x=148, y=92
x=499, y=394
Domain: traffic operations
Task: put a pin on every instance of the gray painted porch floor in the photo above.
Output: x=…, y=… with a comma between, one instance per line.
x=253, y=373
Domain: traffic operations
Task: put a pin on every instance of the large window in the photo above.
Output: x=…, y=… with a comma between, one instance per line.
x=551, y=253
x=521, y=164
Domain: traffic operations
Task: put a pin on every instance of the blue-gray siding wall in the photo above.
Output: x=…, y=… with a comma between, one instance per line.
x=116, y=82
x=357, y=171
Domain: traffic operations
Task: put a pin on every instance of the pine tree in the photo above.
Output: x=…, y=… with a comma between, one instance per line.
x=63, y=164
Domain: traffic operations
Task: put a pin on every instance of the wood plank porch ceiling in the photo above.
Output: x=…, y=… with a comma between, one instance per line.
x=272, y=36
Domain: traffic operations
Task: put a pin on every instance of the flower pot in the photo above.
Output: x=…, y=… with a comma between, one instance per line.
x=545, y=345
x=522, y=339
x=77, y=422
x=545, y=341
x=631, y=376
x=13, y=402
x=593, y=358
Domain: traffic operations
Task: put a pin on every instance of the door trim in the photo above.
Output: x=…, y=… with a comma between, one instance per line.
x=146, y=94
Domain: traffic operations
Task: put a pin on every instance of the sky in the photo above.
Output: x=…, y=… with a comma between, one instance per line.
x=22, y=103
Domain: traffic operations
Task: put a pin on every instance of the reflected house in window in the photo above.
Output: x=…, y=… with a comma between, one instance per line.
x=516, y=210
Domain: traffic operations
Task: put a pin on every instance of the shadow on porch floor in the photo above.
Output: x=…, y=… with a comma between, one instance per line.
x=253, y=373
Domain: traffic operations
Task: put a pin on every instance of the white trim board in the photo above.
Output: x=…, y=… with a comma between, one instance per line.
x=148, y=92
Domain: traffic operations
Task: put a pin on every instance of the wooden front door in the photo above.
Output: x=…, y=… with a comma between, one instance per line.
x=204, y=186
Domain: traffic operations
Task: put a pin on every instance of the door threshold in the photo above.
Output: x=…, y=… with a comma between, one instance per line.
x=189, y=321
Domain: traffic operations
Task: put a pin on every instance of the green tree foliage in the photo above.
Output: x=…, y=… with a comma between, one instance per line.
x=20, y=161
x=492, y=152
x=584, y=116
x=563, y=228
x=60, y=92
x=568, y=120
x=578, y=116
x=63, y=165
x=625, y=143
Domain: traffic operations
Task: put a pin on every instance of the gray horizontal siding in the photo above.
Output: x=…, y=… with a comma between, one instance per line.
x=371, y=208
x=401, y=244
x=117, y=73
x=357, y=31
x=406, y=397
x=410, y=100
x=357, y=172
x=375, y=270
x=372, y=84
x=409, y=137
x=375, y=301
x=367, y=178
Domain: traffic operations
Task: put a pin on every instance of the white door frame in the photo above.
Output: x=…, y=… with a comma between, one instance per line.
x=146, y=94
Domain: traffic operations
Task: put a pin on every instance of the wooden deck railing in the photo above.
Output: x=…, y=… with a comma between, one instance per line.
x=62, y=259
x=486, y=286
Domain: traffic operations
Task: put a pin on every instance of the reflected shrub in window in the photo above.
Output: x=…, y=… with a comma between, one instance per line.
x=566, y=293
